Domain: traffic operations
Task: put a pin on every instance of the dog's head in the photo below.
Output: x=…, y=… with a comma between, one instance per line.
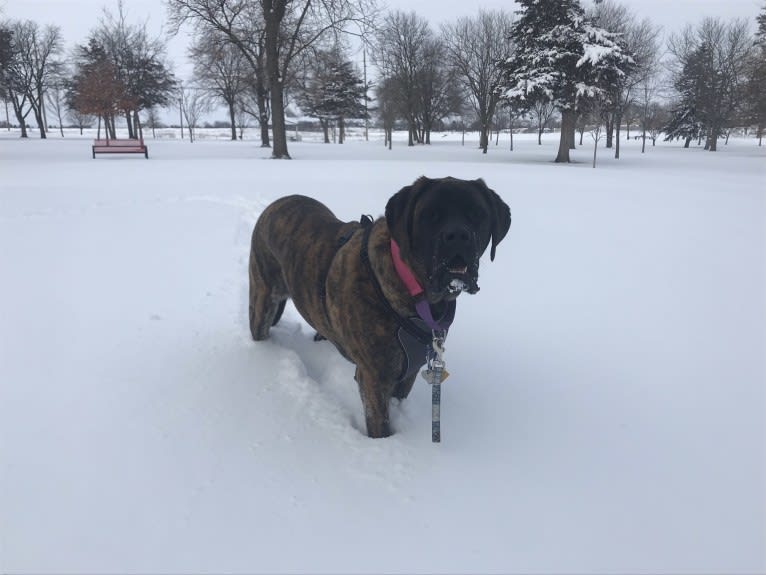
x=443, y=227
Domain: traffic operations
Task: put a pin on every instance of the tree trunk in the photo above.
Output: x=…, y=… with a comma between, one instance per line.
x=595, y=148
x=571, y=132
x=41, y=123
x=341, y=130
x=617, y=122
x=582, y=133
x=61, y=123
x=128, y=119
x=273, y=13
x=609, y=129
x=137, y=127
x=712, y=144
x=261, y=99
x=539, y=135
x=325, y=130
x=233, y=120
x=643, y=141
x=483, y=137
x=568, y=119
x=688, y=141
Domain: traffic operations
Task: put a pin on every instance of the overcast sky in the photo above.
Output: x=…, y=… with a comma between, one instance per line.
x=77, y=17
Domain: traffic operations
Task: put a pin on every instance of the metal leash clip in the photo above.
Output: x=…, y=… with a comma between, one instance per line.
x=435, y=372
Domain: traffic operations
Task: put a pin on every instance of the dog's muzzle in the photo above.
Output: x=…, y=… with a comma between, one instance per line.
x=456, y=263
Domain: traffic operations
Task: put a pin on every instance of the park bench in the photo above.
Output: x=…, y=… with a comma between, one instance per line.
x=120, y=147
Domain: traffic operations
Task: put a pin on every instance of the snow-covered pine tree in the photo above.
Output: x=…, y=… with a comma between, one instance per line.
x=685, y=120
x=561, y=57
x=334, y=92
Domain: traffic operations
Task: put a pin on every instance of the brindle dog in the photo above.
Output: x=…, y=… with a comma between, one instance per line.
x=300, y=250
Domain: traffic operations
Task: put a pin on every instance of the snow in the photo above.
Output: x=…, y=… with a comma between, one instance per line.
x=594, y=53
x=604, y=413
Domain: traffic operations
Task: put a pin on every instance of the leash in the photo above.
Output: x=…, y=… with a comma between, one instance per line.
x=435, y=374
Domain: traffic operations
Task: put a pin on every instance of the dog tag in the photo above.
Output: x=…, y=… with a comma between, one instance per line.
x=430, y=376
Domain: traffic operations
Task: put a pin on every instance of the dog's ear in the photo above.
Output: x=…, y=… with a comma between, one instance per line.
x=396, y=208
x=501, y=216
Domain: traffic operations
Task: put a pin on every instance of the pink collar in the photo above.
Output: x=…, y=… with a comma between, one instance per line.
x=422, y=307
x=404, y=272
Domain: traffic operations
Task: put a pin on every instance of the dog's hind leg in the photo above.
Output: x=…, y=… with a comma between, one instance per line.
x=266, y=301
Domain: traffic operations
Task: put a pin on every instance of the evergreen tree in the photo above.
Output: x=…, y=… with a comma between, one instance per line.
x=334, y=92
x=685, y=122
x=562, y=58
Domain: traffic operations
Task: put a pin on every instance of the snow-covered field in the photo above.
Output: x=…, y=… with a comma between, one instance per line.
x=605, y=412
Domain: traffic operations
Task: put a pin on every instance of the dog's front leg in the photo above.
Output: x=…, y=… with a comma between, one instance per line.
x=375, y=398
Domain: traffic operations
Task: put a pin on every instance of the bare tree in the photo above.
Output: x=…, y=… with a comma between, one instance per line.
x=80, y=119
x=15, y=78
x=56, y=98
x=542, y=112
x=398, y=54
x=220, y=68
x=242, y=122
x=648, y=91
x=34, y=65
x=194, y=104
x=389, y=103
x=152, y=121
x=437, y=94
x=279, y=30
x=474, y=46
x=640, y=39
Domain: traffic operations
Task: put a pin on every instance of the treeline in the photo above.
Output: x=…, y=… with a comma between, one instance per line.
x=553, y=61
x=119, y=72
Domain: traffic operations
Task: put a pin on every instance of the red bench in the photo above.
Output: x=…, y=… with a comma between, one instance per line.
x=120, y=147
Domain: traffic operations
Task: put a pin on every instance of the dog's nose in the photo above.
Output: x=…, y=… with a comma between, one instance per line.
x=456, y=236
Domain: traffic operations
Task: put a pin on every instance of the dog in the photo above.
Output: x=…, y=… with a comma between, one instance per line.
x=375, y=289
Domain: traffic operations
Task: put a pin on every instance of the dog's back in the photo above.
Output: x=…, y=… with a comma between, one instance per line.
x=293, y=244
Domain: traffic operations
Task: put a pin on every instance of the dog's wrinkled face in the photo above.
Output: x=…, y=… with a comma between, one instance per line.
x=443, y=227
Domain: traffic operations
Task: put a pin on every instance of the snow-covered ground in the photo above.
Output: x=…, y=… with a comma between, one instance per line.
x=605, y=411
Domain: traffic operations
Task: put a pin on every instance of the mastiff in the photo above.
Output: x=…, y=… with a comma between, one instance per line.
x=376, y=289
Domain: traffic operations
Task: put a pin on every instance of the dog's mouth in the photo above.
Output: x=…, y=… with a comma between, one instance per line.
x=457, y=266
x=454, y=276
